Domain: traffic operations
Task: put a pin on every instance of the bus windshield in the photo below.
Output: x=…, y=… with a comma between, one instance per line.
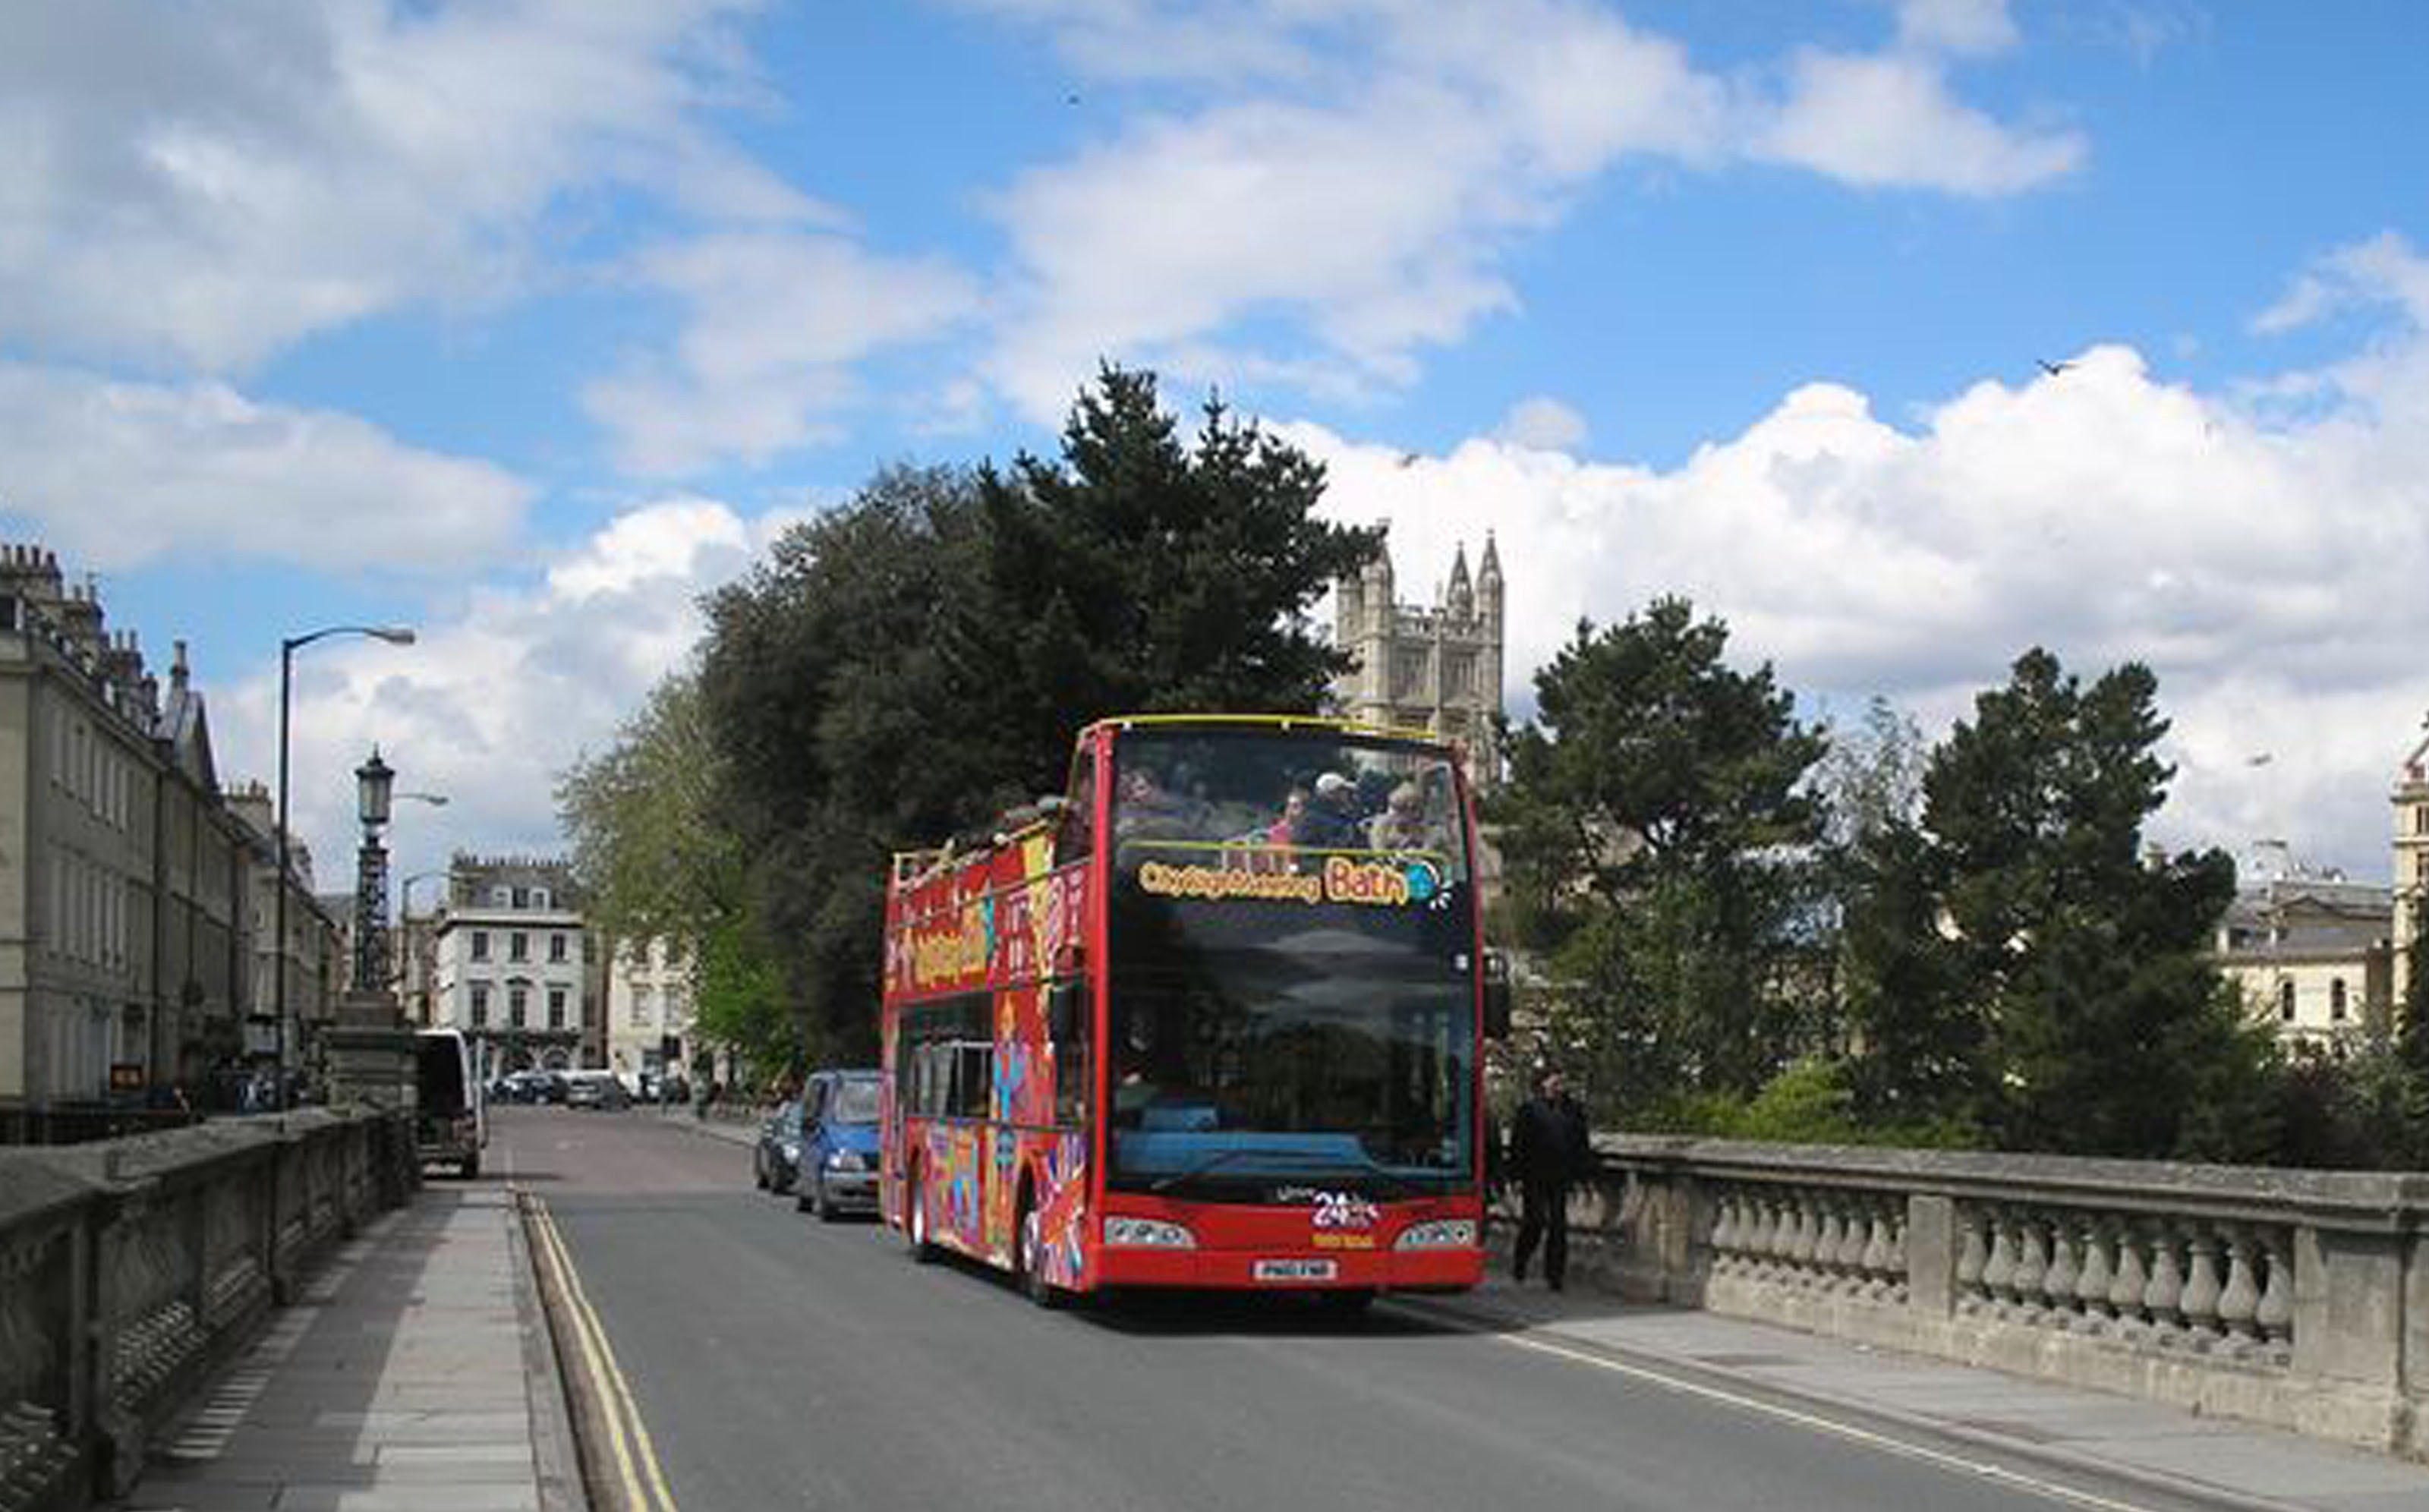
x=1292, y=974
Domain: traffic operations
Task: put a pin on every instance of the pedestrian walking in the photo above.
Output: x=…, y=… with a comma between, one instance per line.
x=1548, y=1151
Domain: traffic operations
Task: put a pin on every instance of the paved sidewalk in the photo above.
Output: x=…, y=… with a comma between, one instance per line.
x=2161, y=1447
x=415, y=1373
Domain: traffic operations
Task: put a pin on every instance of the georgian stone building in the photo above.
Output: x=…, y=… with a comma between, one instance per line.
x=1436, y=669
x=649, y=1007
x=123, y=934
x=2411, y=798
x=2311, y=954
x=514, y=966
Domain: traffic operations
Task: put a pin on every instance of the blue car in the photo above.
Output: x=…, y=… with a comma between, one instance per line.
x=838, y=1165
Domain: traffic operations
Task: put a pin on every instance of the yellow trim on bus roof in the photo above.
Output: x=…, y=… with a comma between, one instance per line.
x=1278, y=721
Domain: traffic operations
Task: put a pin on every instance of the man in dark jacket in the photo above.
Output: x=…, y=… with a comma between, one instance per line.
x=1548, y=1151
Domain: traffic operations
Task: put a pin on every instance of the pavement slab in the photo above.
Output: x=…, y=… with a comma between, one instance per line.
x=402, y=1382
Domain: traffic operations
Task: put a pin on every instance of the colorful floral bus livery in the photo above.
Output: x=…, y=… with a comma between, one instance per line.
x=1111, y=1061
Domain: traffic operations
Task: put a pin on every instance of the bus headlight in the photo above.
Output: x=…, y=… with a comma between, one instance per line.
x=1441, y=1234
x=1149, y=1233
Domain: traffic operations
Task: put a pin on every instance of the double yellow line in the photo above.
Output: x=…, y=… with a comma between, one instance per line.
x=634, y=1458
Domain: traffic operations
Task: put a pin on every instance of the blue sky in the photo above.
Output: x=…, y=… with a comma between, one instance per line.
x=525, y=322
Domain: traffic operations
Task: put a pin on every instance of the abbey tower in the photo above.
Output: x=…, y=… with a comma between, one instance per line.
x=1437, y=669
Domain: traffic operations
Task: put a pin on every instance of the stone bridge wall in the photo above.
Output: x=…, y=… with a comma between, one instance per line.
x=130, y=1269
x=2297, y=1299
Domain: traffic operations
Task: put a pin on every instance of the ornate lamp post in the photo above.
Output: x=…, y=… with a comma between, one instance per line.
x=395, y=635
x=375, y=781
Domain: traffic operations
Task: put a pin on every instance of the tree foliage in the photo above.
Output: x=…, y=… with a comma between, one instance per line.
x=908, y=665
x=1657, y=817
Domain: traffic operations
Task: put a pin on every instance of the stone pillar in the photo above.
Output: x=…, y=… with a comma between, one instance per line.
x=370, y=1052
x=1931, y=1247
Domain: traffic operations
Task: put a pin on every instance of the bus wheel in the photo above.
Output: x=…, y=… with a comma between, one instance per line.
x=1030, y=1259
x=915, y=1223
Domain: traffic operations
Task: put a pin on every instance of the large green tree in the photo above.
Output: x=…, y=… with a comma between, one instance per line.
x=908, y=665
x=1657, y=826
x=2086, y=955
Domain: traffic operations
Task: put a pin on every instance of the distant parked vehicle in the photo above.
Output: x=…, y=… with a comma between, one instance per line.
x=449, y=1124
x=776, y=1159
x=837, y=1169
x=598, y=1090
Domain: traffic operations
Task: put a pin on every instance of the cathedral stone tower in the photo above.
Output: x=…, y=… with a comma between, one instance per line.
x=1437, y=669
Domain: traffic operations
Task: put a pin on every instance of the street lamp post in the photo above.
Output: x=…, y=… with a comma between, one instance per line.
x=395, y=635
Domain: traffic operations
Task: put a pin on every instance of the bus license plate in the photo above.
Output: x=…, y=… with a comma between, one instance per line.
x=1294, y=1270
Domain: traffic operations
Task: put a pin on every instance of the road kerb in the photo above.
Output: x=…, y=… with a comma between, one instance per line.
x=620, y=1468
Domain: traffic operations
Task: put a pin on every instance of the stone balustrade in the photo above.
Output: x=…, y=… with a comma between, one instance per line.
x=2298, y=1299
x=130, y=1269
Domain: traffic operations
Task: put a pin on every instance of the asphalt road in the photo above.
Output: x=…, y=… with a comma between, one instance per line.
x=782, y=1363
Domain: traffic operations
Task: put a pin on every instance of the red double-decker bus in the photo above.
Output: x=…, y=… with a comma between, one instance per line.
x=1213, y=1020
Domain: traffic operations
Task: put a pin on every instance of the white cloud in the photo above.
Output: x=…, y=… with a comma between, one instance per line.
x=1360, y=177
x=774, y=321
x=1544, y=424
x=1888, y=122
x=1966, y=26
x=501, y=692
x=2268, y=569
x=116, y=474
x=261, y=171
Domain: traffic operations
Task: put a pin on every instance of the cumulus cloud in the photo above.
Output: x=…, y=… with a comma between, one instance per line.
x=501, y=690
x=2266, y=569
x=772, y=322
x=260, y=170
x=1544, y=424
x=117, y=474
x=1361, y=175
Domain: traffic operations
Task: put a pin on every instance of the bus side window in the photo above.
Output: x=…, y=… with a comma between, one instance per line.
x=1067, y=1022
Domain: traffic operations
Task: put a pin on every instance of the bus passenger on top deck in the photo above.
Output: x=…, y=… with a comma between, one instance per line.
x=1402, y=825
x=1327, y=824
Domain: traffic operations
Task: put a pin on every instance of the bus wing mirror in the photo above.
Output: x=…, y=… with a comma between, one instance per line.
x=1496, y=995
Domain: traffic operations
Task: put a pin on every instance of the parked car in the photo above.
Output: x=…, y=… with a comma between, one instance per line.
x=535, y=1086
x=600, y=1089
x=776, y=1158
x=448, y=1125
x=838, y=1156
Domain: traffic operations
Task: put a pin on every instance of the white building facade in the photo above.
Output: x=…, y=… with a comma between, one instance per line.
x=2310, y=956
x=648, y=1008
x=511, y=965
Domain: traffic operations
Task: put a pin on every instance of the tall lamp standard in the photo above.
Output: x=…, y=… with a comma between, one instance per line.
x=395, y=635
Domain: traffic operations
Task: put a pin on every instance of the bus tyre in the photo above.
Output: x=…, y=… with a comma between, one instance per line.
x=1030, y=1257
x=914, y=1224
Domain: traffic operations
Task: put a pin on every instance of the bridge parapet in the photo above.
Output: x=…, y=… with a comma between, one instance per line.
x=2298, y=1299
x=131, y=1268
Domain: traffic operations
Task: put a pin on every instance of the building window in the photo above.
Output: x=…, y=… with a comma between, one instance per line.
x=556, y=948
x=2286, y=1002
x=556, y=1008
x=523, y=898
x=480, y=945
x=640, y=1012
x=517, y=997
x=2337, y=1000
x=480, y=1005
x=539, y=898
x=502, y=896
x=518, y=946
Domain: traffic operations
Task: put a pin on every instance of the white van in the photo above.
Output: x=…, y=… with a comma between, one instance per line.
x=451, y=1123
